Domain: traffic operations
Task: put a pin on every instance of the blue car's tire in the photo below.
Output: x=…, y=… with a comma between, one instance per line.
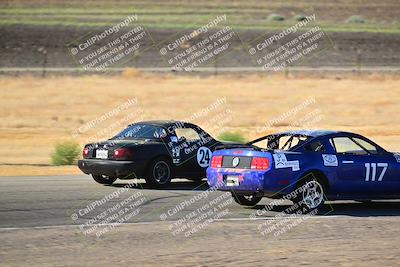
x=246, y=200
x=311, y=196
x=101, y=179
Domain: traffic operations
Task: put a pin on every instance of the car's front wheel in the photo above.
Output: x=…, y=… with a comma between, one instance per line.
x=102, y=179
x=246, y=200
x=159, y=173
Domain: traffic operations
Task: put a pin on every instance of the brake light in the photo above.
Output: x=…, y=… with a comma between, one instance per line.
x=216, y=162
x=122, y=153
x=259, y=163
x=85, y=152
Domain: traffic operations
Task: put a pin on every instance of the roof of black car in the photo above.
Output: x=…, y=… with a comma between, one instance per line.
x=164, y=123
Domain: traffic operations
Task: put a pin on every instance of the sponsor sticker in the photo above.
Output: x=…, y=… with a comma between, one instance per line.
x=397, y=157
x=282, y=162
x=176, y=155
x=330, y=160
x=203, y=156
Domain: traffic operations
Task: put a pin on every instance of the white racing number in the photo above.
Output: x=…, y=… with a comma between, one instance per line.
x=203, y=156
x=370, y=171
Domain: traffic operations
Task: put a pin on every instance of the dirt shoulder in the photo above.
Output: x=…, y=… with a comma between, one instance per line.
x=327, y=241
x=24, y=169
x=23, y=46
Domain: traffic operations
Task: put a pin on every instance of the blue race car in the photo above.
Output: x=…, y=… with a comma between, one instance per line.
x=307, y=167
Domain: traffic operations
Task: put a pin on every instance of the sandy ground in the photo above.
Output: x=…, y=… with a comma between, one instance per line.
x=37, y=113
x=315, y=242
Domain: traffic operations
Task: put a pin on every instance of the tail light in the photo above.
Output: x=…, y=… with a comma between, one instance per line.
x=85, y=152
x=259, y=163
x=216, y=162
x=120, y=153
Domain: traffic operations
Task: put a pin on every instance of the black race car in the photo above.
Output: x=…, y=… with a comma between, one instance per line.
x=154, y=150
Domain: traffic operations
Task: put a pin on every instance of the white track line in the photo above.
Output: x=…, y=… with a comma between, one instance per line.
x=164, y=222
x=210, y=69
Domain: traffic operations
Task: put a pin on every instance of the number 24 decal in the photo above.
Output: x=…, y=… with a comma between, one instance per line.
x=373, y=167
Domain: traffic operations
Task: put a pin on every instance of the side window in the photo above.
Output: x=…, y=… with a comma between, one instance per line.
x=287, y=142
x=316, y=146
x=263, y=144
x=368, y=146
x=187, y=134
x=347, y=146
x=284, y=142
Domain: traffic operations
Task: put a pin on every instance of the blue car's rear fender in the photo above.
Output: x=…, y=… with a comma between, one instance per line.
x=281, y=177
x=250, y=180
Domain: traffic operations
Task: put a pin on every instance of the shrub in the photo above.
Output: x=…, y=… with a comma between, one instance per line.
x=232, y=136
x=300, y=17
x=275, y=17
x=355, y=19
x=65, y=153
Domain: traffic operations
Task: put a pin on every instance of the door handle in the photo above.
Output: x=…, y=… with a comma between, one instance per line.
x=348, y=161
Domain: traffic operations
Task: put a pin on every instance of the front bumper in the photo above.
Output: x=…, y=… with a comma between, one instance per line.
x=120, y=169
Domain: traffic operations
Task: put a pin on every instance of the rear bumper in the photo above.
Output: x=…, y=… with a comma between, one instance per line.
x=120, y=169
x=249, y=181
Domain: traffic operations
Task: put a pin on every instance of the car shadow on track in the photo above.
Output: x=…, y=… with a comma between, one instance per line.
x=347, y=208
x=356, y=209
x=174, y=185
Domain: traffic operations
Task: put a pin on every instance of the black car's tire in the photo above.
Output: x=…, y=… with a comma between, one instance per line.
x=246, y=200
x=159, y=173
x=310, y=195
x=101, y=179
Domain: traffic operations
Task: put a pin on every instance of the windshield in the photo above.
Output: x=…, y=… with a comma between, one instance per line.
x=285, y=142
x=143, y=131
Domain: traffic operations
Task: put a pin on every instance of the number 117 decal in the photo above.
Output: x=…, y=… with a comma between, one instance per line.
x=373, y=167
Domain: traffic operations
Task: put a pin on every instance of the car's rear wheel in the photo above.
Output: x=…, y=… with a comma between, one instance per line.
x=159, y=173
x=310, y=195
x=103, y=179
x=246, y=200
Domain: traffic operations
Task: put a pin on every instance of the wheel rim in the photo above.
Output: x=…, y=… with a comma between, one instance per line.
x=249, y=198
x=313, y=194
x=161, y=172
x=107, y=178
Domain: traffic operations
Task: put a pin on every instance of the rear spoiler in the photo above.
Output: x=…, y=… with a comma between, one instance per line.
x=255, y=141
x=233, y=146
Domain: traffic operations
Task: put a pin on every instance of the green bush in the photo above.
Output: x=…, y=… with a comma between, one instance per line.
x=275, y=17
x=232, y=136
x=355, y=19
x=65, y=153
x=300, y=17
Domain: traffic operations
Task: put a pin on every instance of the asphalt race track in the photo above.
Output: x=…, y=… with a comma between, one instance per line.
x=71, y=220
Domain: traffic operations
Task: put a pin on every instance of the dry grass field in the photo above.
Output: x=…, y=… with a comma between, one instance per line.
x=379, y=16
x=36, y=113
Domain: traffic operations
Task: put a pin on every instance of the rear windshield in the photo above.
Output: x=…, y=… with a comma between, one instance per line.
x=142, y=131
x=285, y=142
